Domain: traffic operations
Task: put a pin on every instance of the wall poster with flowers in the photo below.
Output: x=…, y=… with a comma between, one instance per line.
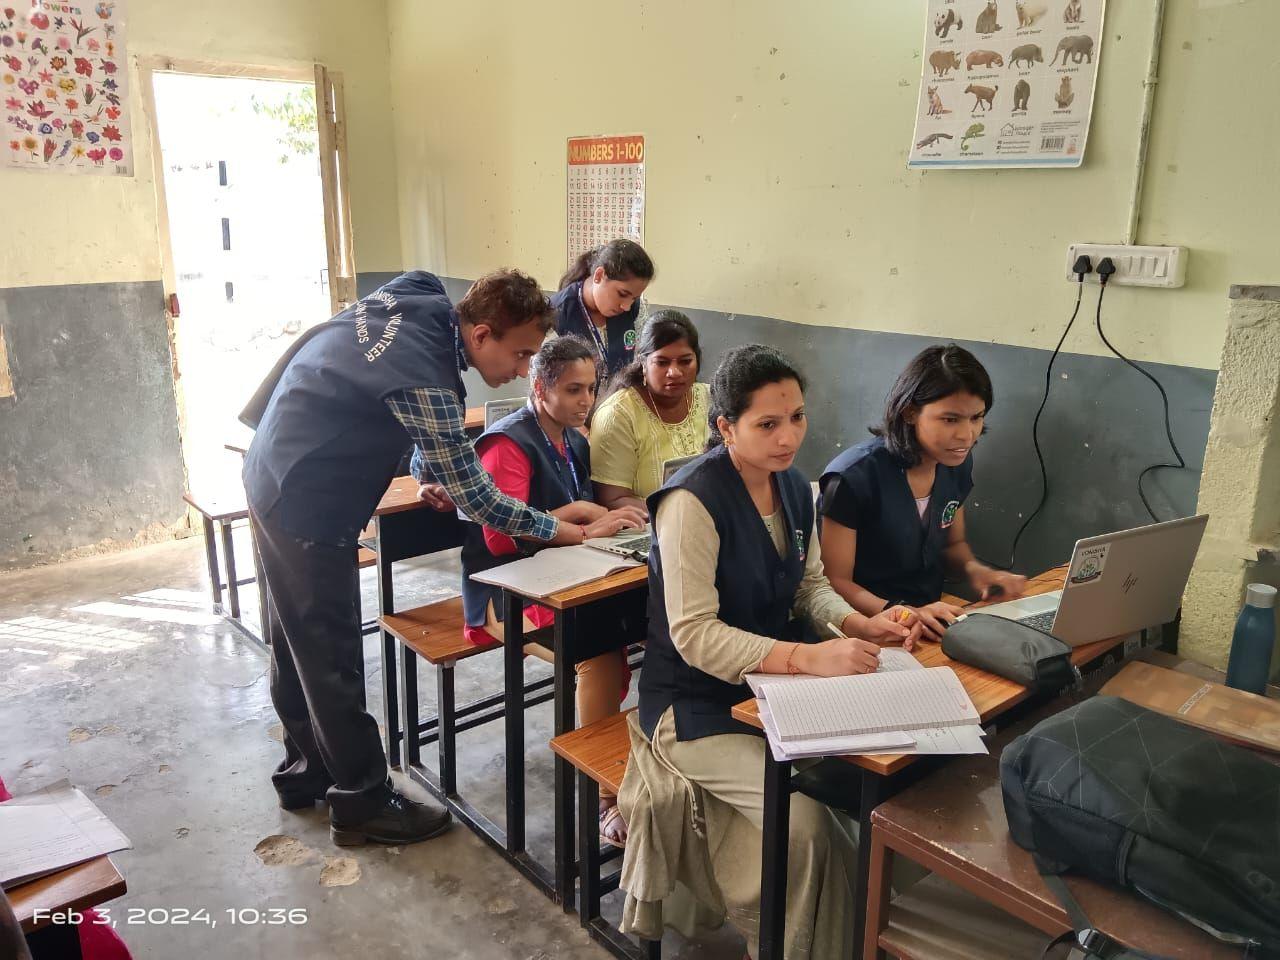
x=64, y=80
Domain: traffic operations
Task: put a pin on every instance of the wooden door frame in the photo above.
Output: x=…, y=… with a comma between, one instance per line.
x=331, y=127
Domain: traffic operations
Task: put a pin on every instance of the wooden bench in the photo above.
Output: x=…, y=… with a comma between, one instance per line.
x=435, y=633
x=599, y=752
x=224, y=513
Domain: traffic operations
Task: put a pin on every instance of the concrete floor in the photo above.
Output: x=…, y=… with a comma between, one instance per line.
x=115, y=674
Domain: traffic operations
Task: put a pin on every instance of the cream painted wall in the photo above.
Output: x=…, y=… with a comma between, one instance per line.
x=86, y=229
x=776, y=140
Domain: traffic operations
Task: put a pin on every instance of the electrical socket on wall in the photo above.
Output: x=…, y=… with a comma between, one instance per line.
x=1135, y=266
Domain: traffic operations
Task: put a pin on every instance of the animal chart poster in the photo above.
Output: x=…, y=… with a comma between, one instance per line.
x=606, y=191
x=1007, y=83
x=64, y=79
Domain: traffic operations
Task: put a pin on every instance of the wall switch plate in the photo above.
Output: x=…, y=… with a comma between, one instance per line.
x=1135, y=266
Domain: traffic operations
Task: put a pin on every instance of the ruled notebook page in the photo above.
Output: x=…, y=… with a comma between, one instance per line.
x=870, y=703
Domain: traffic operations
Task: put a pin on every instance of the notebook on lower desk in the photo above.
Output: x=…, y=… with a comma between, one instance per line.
x=554, y=569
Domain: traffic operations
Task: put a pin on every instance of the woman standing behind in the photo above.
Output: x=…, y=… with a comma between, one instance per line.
x=599, y=300
x=656, y=412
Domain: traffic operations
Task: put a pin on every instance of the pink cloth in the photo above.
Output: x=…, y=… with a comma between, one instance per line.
x=97, y=940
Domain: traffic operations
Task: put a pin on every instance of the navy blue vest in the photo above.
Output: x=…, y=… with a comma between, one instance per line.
x=550, y=487
x=757, y=589
x=326, y=444
x=570, y=318
x=898, y=557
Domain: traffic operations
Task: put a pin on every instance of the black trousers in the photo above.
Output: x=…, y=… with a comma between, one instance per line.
x=317, y=673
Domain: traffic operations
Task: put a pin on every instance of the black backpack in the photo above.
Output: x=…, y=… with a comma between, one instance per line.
x=1128, y=796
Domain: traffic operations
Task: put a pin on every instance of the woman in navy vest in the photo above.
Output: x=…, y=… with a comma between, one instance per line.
x=893, y=506
x=332, y=421
x=599, y=300
x=733, y=572
x=538, y=456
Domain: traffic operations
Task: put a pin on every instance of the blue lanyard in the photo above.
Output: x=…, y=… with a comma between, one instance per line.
x=575, y=493
x=595, y=334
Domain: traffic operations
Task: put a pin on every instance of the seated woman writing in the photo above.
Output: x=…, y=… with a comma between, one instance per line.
x=537, y=456
x=733, y=575
x=892, y=507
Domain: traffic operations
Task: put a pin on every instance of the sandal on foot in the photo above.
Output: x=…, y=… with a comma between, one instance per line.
x=609, y=819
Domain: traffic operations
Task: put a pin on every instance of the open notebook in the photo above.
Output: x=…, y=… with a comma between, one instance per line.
x=902, y=700
x=555, y=569
x=891, y=659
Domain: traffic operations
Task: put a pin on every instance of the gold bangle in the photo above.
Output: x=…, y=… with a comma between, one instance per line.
x=791, y=670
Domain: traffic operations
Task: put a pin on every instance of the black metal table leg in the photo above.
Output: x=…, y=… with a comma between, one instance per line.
x=57, y=941
x=873, y=788
x=211, y=558
x=229, y=558
x=773, y=861
x=446, y=711
x=513, y=674
x=386, y=605
x=409, y=704
x=588, y=849
x=566, y=630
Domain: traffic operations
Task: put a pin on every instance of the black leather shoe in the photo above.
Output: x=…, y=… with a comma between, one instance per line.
x=399, y=821
x=302, y=798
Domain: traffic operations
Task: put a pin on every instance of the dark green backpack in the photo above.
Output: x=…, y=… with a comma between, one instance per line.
x=1130, y=797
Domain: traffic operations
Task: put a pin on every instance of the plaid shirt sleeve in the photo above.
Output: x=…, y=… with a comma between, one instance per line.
x=434, y=419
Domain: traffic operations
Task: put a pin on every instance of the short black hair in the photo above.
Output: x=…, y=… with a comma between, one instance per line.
x=742, y=372
x=933, y=374
x=506, y=299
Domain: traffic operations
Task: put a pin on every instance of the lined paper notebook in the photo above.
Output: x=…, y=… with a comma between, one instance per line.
x=891, y=658
x=871, y=703
x=553, y=570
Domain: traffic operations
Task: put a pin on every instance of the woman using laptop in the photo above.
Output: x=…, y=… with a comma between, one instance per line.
x=657, y=411
x=538, y=456
x=733, y=570
x=892, y=506
x=599, y=300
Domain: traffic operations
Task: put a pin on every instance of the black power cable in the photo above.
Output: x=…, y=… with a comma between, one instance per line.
x=1082, y=266
x=1105, y=269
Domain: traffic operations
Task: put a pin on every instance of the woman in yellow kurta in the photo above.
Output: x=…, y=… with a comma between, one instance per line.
x=656, y=412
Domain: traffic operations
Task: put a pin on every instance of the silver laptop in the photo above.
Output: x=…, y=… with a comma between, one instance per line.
x=632, y=544
x=495, y=410
x=1117, y=583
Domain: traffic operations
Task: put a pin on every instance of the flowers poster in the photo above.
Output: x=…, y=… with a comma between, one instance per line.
x=64, y=79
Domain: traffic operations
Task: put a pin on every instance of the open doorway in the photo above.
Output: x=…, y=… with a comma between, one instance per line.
x=246, y=175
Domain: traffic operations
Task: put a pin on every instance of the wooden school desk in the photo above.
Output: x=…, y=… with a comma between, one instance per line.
x=880, y=775
x=73, y=889
x=968, y=844
x=560, y=884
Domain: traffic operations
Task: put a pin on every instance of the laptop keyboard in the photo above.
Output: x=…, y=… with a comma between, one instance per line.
x=1041, y=621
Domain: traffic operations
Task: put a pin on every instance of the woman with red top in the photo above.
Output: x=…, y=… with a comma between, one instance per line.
x=539, y=456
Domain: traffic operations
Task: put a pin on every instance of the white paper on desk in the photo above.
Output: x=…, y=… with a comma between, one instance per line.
x=52, y=829
x=949, y=740
x=934, y=740
x=552, y=570
x=892, y=659
x=892, y=742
